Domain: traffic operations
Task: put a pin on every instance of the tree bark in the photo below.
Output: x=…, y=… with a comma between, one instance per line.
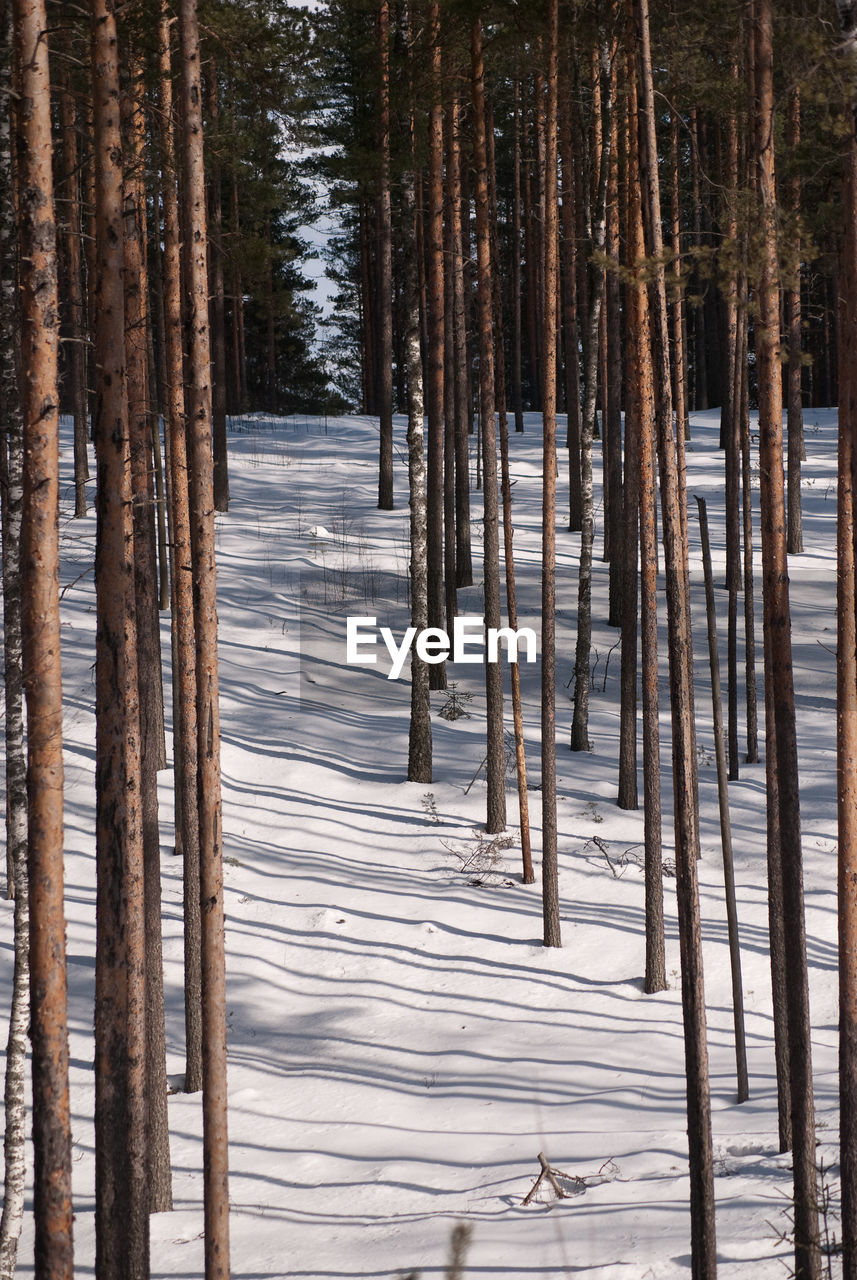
x=184, y=705
x=77, y=315
x=218, y=308
x=496, y=799
x=214, y=1114
x=703, y=1245
x=121, y=1196
x=11, y=501
x=435, y=343
x=385, y=265
x=552, y=936
x=791, y=303
x=41, y=643
x=778, y=664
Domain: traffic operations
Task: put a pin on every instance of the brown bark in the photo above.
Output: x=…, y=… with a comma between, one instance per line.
x=217, y=308
x=458, y=212
x=517, y=336
x=385, y=266
x=778, y=663
x=214, y=1117
x=846, y=678
x=41, y=645
x=150, y=687
x=435, y=346
x=184, y=674
x=613, y=386
x=76, y=310
x=550, y=873
x=703, y=1246
x=791, y=302
x=496, y=799
x=121, y=1193
x=571, y=336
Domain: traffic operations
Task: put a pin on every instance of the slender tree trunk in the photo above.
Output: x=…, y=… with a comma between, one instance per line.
x=496, y=800
x=41, y=643
x=214, y=1116
x=385, y=266
x=218, y=308
x=613, y=427
x=449, y=477
x=11, y=500
x=778, y=666
x=679, y=347
x=793, y=321
x=158, y=1189
x=731, y=433
x=185, y=712
x=725, y=826
x=435, y=344
x=703, y=1246
x=463, y=554
x=580, y=722
x=77, y=317
x=747, y=539
x=550, y=873
x=568, y=250
x=517, y=336
x=121, y=1199
x=846, y=675
x=644, y=400
x=419, y=739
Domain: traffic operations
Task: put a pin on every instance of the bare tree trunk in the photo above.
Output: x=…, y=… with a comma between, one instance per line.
x=643, y=381
x=731, y=432
x=613, y=426
x=214, y=1115
x=185, y=713
x=77, y=325
x=463, y=553
x=449, y=478
x=517, y=337
x=218, y=310
x=580, y=722
x=41, y=643
x=568, y=249
x=846, y=677
x=121, y=1194
x=703, y=1246
x=778, y=665
x=550, y=871
x=846, y=669
x=385, y=266
x=435, y=345
x=150, y=687
x=725, y=827
x=419, y=737
x=679, y=347
x=793, y=321
x=11, y=500
x=496, y=800
x=747, y=538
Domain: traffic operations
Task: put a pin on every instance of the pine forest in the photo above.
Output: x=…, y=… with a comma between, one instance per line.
x=428, y=455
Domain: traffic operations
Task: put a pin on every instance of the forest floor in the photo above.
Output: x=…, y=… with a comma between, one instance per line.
x=401, y=1046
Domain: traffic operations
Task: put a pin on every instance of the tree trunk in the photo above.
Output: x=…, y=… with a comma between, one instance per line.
x=41, y=643
x=435, y=345
x=517, y=336
x=550, y=872
x=77, y=315
x=580, y=723
x=793, y=321
x=11, y=499
x=778, y=664
x=121, y=1197
x=218, y=308
x=643, y=381
x=463, y=553
x=568, y=249
x=385, y=265
x=184, y=703
x=214, y=1117
x=150, y=686
x=419, y=738
x=496, y=800
x=613, y=427
x=703, y=1246
x=846, y=676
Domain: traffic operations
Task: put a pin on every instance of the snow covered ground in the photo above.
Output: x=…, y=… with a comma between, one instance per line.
x=401, y=1046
